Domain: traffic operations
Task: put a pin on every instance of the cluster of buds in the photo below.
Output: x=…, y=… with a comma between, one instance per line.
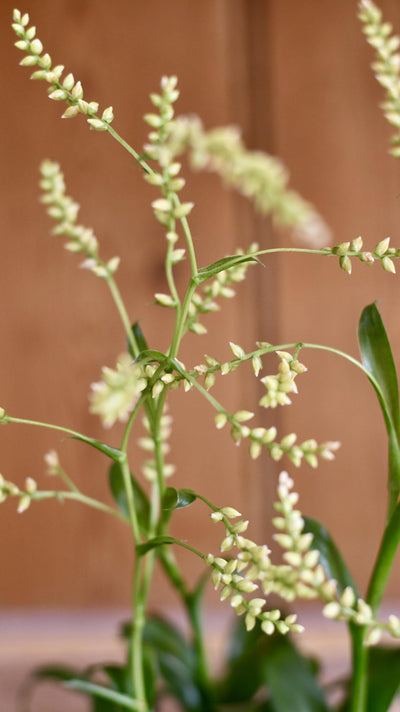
x=301, y=576
x=382, y=252
x=261, y=437
x=279, y=386
x=387, y=64
x=66, y=89
x=147, y=443
x=236, y=577
x=9, y=489
x=220, y=286
x=260, y=177
x=168, y=208
x=65, y=211
x=115, y=396
x=348, y=607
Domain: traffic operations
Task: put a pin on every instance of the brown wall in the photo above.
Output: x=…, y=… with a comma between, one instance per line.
x=296, y=77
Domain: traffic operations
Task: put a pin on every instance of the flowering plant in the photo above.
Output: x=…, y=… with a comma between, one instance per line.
x=160, y=659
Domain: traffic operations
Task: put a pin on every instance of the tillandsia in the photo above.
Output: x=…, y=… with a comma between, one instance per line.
x=136, y=392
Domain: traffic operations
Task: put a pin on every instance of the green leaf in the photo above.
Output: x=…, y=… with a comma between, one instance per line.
x=378, y=360
x=111, y=452
x=383, y=678
x=94, y=690
x=142, y=506
x=330, y=557
x=289, y=678
x=139, y=338
x=56, y=672
x=142, y=549
x=271, y=663
x=225, y=263
x=176, y=662
x=176, y=499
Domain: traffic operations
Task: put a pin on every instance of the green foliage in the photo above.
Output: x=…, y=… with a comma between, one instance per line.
x=378, y=360
x=264, y=671
x=330, y=557
x=118, y=491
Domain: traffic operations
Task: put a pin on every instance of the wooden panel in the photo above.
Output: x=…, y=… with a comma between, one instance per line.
x=330, y=132
x=296, y=77
x=57, y=326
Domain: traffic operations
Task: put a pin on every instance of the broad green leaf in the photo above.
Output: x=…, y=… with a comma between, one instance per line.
x=111, y=452
x=94, y=690
x=176, y=662
x=271, y=663
x=243, y=677
x=378, y=360
x=289, y=679
x=330, y=557
x=225, y=263
x=157, y=541
x=383, y=678
x=176, y=499
x=117, y=487
x=165, y=637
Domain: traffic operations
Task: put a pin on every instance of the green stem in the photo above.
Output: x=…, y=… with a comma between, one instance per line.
x=384, y=561
x=376, y=588
x=50, y=426
x=130, y=150
x=123, y=314
x=77, y=497
x=138, y=621
x=180, y=322
x=359, y=681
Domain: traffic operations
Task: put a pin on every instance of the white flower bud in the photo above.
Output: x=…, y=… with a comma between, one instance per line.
x=23, y=504
x=331, y=610
x=345, y=264
x=268, y=627
x=30, y=485
x=382, y=247
x=216, y=516
x=108, y=115
x=70, y=112
x=237, y=350
x=68, y=82
x=164, y=300
x=357, y=244
x=348, y=598
x=388, y=265
x=243, y=415
x=256, y=364
x=373, y=636
x=230, y=512
x=36, y=47
x=182, y=210
x=97, y=124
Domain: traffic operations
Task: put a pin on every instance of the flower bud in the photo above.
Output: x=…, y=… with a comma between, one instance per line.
x=36, y=47
x=237, y=350
x=97, y=124
x=23, y=503
x=388, y=265
x=382, y=247
x=182, y=210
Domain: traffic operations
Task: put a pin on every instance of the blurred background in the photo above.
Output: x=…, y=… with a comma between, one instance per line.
x=296, y=78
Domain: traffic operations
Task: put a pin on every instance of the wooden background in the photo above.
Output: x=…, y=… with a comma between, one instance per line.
x=295, y=76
